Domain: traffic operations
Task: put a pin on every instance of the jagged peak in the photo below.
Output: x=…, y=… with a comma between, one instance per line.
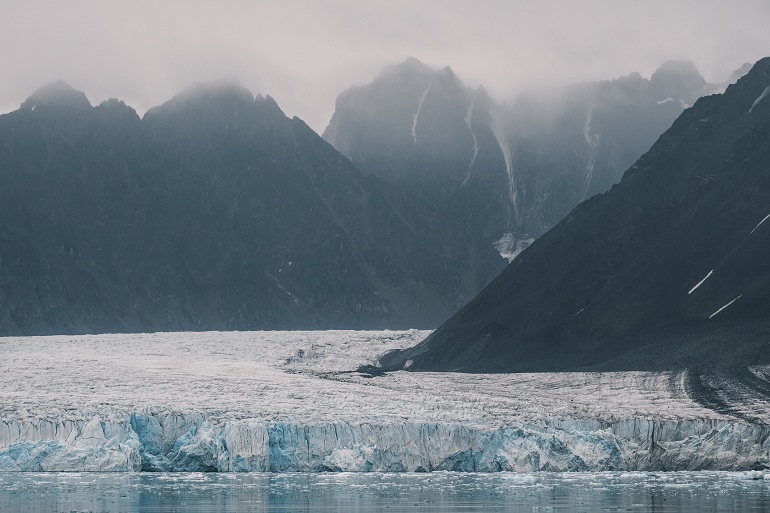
x=217, y=90
x=761, y=66
x=739, y=73
x=207, y=96
x=447, y=71
x=481, y=94
x=672, y=74
x=679, y=67
x=754, y=86
x=57, y=94
x=410, y=67
x=118, y=106
x=268, y=103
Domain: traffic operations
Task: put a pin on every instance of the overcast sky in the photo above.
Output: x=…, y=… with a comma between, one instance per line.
x=304, y=52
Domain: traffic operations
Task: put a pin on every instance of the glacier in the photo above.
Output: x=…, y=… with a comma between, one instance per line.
x=173, y=441
x=288, y=402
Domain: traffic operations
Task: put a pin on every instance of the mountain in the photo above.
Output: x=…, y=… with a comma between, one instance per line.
x=424, y=131
x=505, y=173
x=212, y=212
x=572, y=143
x=668, y=269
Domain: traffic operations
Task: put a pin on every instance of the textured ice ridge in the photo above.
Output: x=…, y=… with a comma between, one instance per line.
x=171, y=441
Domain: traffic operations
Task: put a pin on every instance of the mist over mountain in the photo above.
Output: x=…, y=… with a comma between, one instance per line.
x=506, y=173
x=216, y=211
x=668, y=269
x=213, y=211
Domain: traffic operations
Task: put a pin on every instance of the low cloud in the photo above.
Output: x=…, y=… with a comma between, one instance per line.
x=304, y=53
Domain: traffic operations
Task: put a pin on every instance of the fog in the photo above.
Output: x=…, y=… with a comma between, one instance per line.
x=304, y=52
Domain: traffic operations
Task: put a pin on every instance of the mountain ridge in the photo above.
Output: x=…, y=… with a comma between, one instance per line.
x=213, y=211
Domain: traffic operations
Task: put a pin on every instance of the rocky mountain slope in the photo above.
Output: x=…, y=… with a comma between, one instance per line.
x=505, y=173
x=668, y=269
x=214, y=211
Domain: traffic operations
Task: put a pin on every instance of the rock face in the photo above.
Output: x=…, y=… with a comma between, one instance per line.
x=214, y=211
x=668, y=269
x=179, y=442
x=505, y=174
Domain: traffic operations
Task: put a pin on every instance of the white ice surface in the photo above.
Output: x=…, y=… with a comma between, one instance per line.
x=293, y=375
x=284, y=401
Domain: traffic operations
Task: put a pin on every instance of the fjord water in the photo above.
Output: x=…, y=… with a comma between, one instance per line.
x=379, y=492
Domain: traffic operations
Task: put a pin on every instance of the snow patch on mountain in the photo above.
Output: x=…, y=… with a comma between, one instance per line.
x=700, y=282
x=592, y=140
x=759, y=224
x=417, y=113
x=760, y=98
x=510, y=246
x=725, y=306
x=498, y=130
x=469, y=123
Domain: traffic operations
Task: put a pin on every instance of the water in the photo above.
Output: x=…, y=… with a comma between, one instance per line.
x=435, y=492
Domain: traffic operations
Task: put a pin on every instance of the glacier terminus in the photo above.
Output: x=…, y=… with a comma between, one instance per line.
x=285, y=401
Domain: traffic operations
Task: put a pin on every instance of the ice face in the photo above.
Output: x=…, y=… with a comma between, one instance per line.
x=287, y=401
x=173, y=441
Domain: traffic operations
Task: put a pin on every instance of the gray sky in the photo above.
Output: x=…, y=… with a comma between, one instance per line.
x=304, y=52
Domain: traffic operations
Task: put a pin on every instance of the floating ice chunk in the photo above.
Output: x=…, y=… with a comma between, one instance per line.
x=700, y=282
x=728, y=304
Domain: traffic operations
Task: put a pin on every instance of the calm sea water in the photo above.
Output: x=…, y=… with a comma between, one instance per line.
x=436, y=492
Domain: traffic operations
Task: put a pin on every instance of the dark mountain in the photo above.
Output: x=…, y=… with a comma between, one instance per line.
x=214, y=211
x=570, y=144
x=507, y=173
x=668, y=269
x=425, y=132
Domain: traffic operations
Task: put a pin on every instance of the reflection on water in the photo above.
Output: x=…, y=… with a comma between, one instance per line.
x=434, y=492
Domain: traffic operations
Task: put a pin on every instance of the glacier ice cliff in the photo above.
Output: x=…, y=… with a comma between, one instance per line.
x=287, y=401
x=172, y=441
